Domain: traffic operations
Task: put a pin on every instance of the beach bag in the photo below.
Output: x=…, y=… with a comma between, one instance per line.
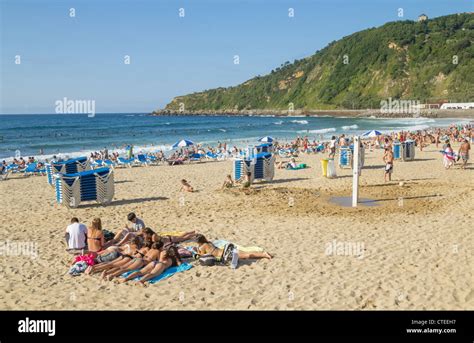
x=184, y=253
x=108, y=235
x=207, y=260
x=227, y=254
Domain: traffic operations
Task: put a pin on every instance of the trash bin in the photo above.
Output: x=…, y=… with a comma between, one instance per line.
x=324, y=166
x=331, y=168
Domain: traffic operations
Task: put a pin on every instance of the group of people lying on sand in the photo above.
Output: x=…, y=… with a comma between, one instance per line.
x=229, y=183
x=137, y=249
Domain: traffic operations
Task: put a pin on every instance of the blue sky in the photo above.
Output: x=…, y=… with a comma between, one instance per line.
x=83, y=57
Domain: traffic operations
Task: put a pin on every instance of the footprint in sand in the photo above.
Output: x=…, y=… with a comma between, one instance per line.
x=470, y=296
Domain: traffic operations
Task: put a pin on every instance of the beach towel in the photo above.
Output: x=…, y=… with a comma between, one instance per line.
x=78, y=268
x=298, y=167
x=89, y=259
x=172, y=233
x=166, y=274
x=220, y=243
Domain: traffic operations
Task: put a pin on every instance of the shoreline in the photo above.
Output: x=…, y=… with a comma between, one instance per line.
x=166, y=148
x=363, y=113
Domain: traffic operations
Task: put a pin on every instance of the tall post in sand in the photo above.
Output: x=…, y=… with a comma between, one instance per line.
x=355, y=172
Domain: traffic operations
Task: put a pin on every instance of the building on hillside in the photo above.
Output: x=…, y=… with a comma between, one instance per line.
x=457, y=106
x=422, y=17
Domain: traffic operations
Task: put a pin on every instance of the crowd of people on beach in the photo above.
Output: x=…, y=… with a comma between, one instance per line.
x=138, y=251
x=441, y=137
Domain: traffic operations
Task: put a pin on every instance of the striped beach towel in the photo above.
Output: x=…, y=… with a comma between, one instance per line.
x=166, y=274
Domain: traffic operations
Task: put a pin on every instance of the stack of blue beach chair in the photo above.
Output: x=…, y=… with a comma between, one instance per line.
x=397, y=150
x=70, y=166
x=91, y=185
x=260, y=165
x=265, y=147
x=345, y=156
x=408, y=150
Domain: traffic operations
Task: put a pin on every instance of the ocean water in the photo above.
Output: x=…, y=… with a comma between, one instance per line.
x=77, y=134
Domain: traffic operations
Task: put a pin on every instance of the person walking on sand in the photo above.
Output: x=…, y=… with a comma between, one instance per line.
x=464, y=152
x=332, y=147
x=388, y=159
x=448, y=158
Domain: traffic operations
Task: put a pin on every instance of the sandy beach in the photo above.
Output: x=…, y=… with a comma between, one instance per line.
x=416, y=240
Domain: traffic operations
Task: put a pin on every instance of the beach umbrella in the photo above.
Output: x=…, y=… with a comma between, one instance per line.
x=266, y=139
x=372, y=133
x=182, y=143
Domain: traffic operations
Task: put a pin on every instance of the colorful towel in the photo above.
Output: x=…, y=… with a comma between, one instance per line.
x=172, y=233
x=220, y=243
x=166, y=274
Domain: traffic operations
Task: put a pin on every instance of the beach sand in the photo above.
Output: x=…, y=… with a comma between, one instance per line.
x=417, y=240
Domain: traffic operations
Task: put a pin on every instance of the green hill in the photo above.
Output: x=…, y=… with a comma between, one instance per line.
x=403, y=59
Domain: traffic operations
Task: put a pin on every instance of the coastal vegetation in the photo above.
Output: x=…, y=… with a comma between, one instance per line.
x=428, y=61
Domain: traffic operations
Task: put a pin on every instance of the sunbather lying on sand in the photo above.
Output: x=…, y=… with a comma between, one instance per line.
x=205, y=247
x=145, y=255
x=168, y=257
x=115, y=256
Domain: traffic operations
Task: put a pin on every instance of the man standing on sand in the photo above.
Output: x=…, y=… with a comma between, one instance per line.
x=464, y=152
x=342, y=140
x=332, y=147
x=388, y=159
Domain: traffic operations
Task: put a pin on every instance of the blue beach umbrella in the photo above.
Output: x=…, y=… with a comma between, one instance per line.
x=182, y=143
x=372, y=133
x=266, y=139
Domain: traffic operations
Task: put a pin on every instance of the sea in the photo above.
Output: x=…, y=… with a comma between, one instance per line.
x=72, y=135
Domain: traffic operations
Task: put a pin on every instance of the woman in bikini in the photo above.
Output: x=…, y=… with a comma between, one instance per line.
x=168, y=258
x=138, y=262
x=123, y=254
x=149, y=234
x=150, y=266
x=95, y=236
x=126, y=260
x=207, y=248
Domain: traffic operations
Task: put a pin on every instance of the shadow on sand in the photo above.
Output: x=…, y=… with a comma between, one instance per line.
x=123, y=202
x=409, y=197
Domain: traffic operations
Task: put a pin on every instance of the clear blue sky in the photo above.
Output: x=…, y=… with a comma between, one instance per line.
x=82, y=57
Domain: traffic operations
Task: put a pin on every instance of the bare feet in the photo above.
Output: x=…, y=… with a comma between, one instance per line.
x=267, y=255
